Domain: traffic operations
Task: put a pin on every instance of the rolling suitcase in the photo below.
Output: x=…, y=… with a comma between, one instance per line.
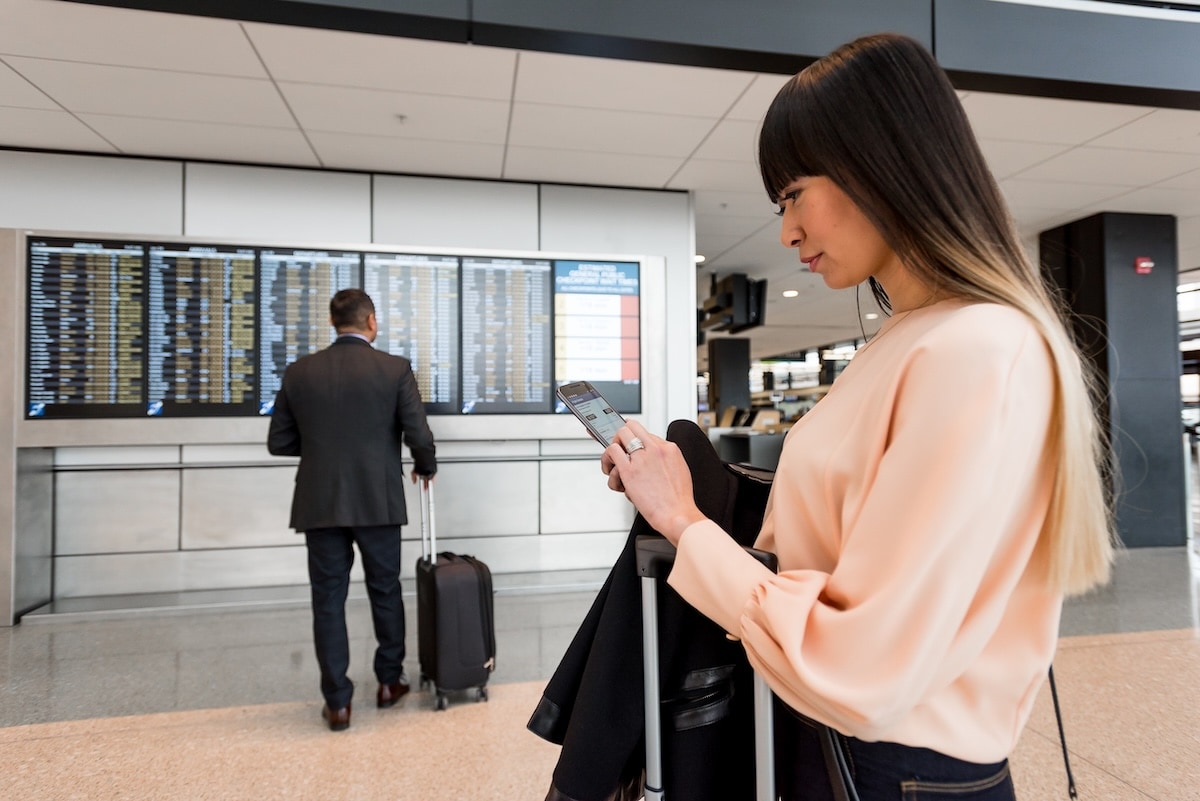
x=456, y=633
x=655, y=555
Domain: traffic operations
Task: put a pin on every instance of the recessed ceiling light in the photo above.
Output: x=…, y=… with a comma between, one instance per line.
x=871, y=316
x=791, y=293
x=699, y=259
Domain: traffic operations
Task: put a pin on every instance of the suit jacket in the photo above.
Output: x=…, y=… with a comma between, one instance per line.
x=344, y=411
x=593, y=704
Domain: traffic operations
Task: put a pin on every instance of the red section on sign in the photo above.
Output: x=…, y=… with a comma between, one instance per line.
x=1143, y=265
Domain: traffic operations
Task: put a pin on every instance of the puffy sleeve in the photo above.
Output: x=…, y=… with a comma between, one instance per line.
x=927, y=555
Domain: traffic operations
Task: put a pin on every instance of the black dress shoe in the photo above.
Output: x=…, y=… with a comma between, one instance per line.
x=338, y=719
x=389, y=694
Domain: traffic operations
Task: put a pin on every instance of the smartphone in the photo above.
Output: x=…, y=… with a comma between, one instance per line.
x=597, y=414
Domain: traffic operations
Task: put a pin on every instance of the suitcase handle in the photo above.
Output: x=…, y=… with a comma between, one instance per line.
x=428, y=532
x=655, y=555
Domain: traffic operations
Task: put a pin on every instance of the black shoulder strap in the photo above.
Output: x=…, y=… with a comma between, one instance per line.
x=1062, y=736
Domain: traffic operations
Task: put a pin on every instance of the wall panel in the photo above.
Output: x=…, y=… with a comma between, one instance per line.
x=237, y=507
x=268, y=204
x=483, y=499
x=179, y=571
x=91, y=193
x=467, y=214
x=576, y=499
x=97, y=512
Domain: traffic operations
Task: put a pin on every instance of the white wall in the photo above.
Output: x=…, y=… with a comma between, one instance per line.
x=503, y=479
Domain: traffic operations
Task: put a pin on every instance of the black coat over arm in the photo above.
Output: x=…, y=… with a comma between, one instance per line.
x=593, y=704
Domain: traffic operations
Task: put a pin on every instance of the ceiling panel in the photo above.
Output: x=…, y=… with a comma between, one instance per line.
x=1038, y=119
x=727, y=225
x=334, y=109
x=598, y=169
x=17, y=92
x=200, y=140
x=55, y=130
x=1170, y=130
x=1188, y=180
x=733, y=176
x=155, y=93
x=1152, y=200
x=1189, y=232
x=419, y=156
x=731, y=140
x=753, y=203
x=605, y=131
x=336, y=58
x=1007, y=158
x=1108, y=166
x=105, y=35
x=753, y=103
x=584, y=82
x=1060, y=196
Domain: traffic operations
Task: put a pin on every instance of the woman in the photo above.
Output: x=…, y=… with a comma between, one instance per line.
x=932, y=510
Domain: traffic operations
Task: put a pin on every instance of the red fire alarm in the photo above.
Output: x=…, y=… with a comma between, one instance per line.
x=1143, y=265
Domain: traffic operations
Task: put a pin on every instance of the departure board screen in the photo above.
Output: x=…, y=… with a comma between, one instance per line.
x=86, y=329
x=506, y=328
x=295, y=287
x=136, y=328
x=416, y=306
x=597, y=329
x=201, y=330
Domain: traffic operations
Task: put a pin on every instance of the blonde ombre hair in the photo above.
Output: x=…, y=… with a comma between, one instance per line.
x=880, y=118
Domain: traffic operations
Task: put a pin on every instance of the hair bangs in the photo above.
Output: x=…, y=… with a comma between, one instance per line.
x=784, y=149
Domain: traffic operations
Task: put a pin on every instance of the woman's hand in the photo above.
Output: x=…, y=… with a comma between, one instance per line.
x=654, y=477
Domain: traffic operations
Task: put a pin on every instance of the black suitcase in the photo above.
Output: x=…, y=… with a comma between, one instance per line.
x=456, y=633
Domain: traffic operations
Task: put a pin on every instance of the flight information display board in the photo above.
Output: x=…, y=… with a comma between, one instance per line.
x=597, y=329
x=295, y=287
x=506, y=329
x=201, y=323
x=86, y=332
x=120, y=328
x=416, y=306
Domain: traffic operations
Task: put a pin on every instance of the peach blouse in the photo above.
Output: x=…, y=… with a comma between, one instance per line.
x=904, y=511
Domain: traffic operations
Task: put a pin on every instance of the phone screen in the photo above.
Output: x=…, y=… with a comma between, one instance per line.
x=592, y=409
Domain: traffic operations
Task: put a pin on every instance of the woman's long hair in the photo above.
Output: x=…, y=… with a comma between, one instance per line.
x=879, y=118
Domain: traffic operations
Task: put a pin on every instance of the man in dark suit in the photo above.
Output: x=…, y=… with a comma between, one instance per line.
x=344, y=411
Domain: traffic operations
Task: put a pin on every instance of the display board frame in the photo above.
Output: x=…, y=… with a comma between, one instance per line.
x=549, y=424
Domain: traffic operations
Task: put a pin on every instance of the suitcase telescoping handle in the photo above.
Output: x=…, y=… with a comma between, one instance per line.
x=428, y=532
x=655, y=556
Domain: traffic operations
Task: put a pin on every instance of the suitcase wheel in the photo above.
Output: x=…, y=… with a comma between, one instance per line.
x=442, y=702
x=481, y=694
x=424, y=682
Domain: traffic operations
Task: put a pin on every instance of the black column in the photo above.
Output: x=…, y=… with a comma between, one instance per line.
x=1118, y=274
x=728, y=374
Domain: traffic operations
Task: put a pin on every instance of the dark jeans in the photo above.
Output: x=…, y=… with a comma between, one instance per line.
x=330, y=557
x=882, y=771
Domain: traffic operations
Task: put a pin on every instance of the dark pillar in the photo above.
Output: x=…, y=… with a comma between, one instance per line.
x=1127, y=322
x=728, y=374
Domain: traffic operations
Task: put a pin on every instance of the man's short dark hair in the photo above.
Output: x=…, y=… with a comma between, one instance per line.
x=350, y=309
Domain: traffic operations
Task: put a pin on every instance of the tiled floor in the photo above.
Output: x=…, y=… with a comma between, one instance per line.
x=199, y=701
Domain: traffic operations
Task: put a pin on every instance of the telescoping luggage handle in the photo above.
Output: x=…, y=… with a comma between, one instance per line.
x=428, y=533
x=655, y=555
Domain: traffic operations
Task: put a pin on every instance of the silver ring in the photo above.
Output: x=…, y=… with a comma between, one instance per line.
x=635, y=444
